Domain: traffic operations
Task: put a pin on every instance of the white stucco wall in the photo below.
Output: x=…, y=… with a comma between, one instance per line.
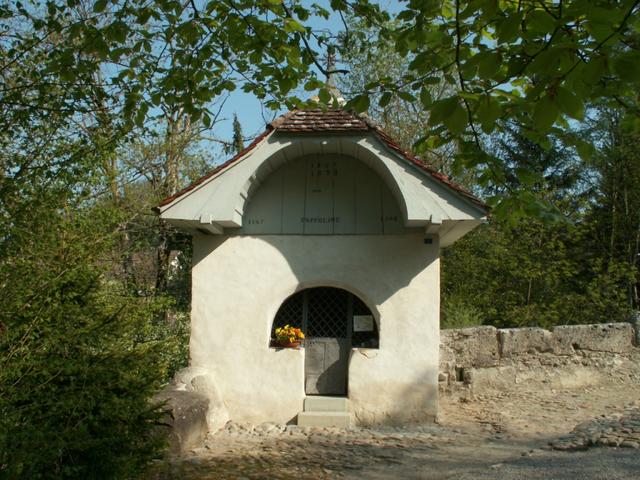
x=239, y=282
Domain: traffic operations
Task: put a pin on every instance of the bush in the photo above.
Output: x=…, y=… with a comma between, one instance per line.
x=78, y=364
x=456, y=313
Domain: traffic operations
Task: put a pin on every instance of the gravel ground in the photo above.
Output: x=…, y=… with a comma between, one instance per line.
x=529, y=433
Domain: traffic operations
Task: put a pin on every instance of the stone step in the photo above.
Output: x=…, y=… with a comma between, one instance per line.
x=324, y=419
x=326, y=404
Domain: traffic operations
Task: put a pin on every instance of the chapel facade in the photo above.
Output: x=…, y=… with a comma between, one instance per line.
x=323, y=223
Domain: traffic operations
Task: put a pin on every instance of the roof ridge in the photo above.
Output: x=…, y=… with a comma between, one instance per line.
x=280, y=120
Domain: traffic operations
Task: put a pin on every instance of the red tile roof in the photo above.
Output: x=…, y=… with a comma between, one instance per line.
x=318, y=120
x=334, y=121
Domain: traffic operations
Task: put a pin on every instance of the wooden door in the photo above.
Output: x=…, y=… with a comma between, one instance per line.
x=327, y=313
x=326, y=366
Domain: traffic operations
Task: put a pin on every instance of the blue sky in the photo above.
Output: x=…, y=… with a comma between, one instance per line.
x=249, y=109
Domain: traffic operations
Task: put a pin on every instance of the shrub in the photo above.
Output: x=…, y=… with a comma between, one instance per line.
x=78, y=364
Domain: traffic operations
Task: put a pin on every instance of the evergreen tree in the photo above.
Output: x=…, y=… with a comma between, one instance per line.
x=238, y=138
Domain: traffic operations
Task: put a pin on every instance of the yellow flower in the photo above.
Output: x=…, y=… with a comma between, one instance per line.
x=288, y=334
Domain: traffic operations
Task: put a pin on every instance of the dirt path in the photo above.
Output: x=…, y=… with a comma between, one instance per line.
x=497, y=435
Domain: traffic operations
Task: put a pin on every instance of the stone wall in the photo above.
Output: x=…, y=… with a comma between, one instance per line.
x=473, y=359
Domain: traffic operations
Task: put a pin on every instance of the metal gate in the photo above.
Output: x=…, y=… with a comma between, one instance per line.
x=325, y=315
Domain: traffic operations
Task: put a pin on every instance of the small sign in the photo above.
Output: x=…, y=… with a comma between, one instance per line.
x=363, y=323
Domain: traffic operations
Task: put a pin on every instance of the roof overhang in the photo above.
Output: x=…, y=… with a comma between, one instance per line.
x=427, y=199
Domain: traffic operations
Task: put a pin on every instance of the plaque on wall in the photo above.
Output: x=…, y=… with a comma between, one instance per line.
x=363, y=323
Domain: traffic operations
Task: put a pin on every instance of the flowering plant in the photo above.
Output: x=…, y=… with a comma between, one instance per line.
x=288, y=334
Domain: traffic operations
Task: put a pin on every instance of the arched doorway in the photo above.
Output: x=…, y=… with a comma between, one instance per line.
x=333, y=320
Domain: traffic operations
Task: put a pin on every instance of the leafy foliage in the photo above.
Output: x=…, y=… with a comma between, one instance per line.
x=533, y=64
x=81, y=352
x=532, y=274
x=531, y=271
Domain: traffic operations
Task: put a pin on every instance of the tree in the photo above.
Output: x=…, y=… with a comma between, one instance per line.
x=369, y=61
x=80, y=356
x=536, y=270
x=614, y=219
x=238, y=139
x=535, y=64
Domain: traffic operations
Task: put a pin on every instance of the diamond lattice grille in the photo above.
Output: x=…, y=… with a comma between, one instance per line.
x=290, y=313
x=324, y=312
x=327, y=314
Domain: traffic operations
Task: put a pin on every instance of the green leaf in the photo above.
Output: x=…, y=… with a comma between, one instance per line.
x=313, y=84
x=441, y=109
x=100, y=6
x=141, y=114
x=360, y=103
x=544, y=114
x=425, y=98
x=594, y=70
x=569, y=103
x=488, y=112
x=457, y=121
x=585, y=150
x=324, y=96
x=527, y=176
x=627, y=66
x=509, y=27
x=406, y=96
x=406, y=15
x=488, y=64
x=156, y=98
x=117, y=31
x=291, y=25
x=206, y=120
x=431, y=80
x=540, y=22
x=385, y=99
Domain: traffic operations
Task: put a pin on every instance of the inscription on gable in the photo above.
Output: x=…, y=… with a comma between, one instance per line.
x=323, y=195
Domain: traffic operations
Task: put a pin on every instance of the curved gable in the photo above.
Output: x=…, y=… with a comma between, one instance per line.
x=323, y=194
x=424, y=197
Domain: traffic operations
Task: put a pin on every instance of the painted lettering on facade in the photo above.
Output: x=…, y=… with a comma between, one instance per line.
x=319, y=219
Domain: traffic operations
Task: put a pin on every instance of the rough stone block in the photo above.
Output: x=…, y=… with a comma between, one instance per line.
x=605, y=337
x=519, y=341
x=447, y=366
x=200, y=380
x=635, y=320
x=472, y=347
x=481, y=379
x=186, y=419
